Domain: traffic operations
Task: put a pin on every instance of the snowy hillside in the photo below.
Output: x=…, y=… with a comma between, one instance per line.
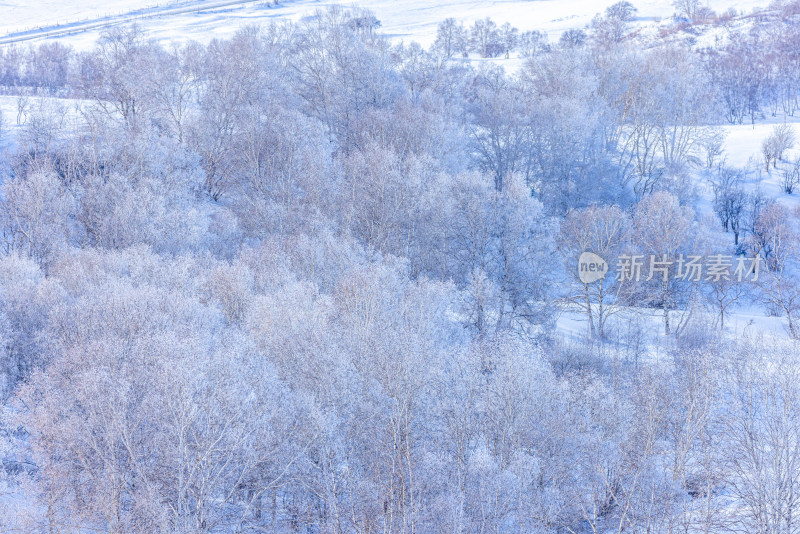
x=408, y=20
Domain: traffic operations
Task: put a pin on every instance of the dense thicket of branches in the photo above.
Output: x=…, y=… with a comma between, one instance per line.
x=304, y=280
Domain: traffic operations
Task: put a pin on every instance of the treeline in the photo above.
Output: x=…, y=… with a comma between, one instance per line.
x=754, y=73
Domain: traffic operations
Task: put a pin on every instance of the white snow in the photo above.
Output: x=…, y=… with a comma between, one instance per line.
x=743, y=150
x=409, y=20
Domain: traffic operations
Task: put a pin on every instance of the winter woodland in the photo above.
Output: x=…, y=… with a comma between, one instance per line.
x=315, y=279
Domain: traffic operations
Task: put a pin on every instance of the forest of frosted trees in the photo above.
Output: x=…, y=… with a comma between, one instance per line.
x=308, y=280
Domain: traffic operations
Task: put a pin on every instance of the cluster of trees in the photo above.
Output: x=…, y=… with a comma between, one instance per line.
x=45, y=67
x=305, y=280
x=665, y=236
x=199, y=395
x=756, y=71
x=693, y=10
x=486, y=39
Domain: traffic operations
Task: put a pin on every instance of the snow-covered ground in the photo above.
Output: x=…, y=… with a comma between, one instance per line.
x=410, y=20
x=20, y=15
x=648, y=323
x=743, y=150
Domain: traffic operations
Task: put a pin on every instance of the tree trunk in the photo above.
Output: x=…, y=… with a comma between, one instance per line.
x=665, y=304
x=792, y=329
x=592, y=331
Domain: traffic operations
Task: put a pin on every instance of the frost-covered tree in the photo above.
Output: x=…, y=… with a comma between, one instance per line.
x=499, y=129
x=781, y=139
x=615, y=26
x=451, y=38
x=791, y=176
x=662, y=234
x=603, y=231
x=760, y=432
x=36, y=209
x=730, y=201
x=775, y=241
x=574, y=38
x=532, y=43
x=485, y=38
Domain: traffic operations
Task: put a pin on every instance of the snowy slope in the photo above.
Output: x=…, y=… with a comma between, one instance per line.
x=410, y=20
x=19, y=15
